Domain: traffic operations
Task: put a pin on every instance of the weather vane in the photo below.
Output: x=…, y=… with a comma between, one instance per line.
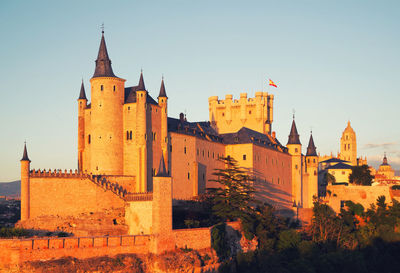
x=294, y=112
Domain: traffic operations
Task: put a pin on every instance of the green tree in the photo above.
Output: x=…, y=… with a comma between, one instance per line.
x=235, y=197
x=329, y=179
x=361, y=175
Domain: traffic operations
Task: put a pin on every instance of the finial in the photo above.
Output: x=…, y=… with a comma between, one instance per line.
x=141, y=70
x=102, y=28
x=162, y=76
x=293, y=111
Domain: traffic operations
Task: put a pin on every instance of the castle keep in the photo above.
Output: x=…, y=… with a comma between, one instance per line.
x=134, y=160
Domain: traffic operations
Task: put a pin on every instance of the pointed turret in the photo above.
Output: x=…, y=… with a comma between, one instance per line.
x=294, y=137
x=141, y=86
x=103, y=62
x=82, y=94
x=311, y=149
x=162, y=90
x=25, y=155
x=162, y=172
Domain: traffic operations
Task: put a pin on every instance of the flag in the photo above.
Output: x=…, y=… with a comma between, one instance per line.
x=272, y=83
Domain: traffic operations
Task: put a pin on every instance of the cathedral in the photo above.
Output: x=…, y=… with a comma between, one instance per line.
x=125, y=138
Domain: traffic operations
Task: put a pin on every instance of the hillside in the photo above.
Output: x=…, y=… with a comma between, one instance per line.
x=10, y=188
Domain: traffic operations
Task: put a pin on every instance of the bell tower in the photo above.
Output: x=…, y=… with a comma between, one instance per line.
x=348, y=145
x=294, y=146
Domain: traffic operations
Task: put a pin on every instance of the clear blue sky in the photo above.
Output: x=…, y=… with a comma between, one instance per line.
x=332, y=60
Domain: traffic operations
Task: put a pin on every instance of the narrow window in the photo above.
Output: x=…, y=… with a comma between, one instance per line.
x=188, y=175
x=296, y=167
x=296, y=150
x=170, y=148
x=130, y=135
x=208, y=153
x=114, y=88
x=101, y=87
x=213, y=154
x=129, y=108
x=314, y=160
x=197, y=151
x=184, y=150
x=203, y=177
x=244, y=157
x=203, y=153
x=89, y=139
x=127, y=135
x=308, y=160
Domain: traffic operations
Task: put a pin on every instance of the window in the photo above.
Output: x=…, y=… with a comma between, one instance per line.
x=203, y=177
x=249, y=112
x=203, y=153
x=129, y=108
x=244, y=157
x=296, y=150
x=296, y=167
x=343, y=172
x=154, y=136
x=308, y=160
x=114, y=88
x=314, y=160
x=88, y=139
x=197, y=151
x=208, y=153
x=127, y=135
x=170, y=148
x=184, y=150
x=130, y=135
x=188, y=175
x=213, y=154
x=101, y=87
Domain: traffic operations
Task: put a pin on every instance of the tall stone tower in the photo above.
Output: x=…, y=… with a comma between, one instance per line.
x=163, y=103
x=107, y=98
x=311, y=187
x=294, y=146
x=348, y=145
x=82, y=104
x=141, y=136
x=25, y=185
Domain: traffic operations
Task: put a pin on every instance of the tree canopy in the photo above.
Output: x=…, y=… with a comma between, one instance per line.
x=361, y=175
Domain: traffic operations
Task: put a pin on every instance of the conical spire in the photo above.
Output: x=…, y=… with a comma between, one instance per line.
x=103, y=62
x=141, y=86
x=311, y=149
x=294, y=137
x=162, y=89
x=385, y=161
x=82, y=95
x=162, y=172
x=25, y=155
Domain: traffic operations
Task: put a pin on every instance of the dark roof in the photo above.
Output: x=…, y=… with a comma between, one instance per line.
x=25, y=155
x=130, y=95
x=162, y=172
x=311, y=149
x=162, y=90
x=82, y=94
x=294, y=137
x=385, y=161
x=198, y=129
x=340, y=166
x=103, y=62
x=246, y=135
x=141, y=86
x=332, y=160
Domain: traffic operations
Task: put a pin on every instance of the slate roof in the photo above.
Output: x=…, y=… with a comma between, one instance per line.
x=130, y=95
x=25, y=155
x=205, y=131
x=294, y=137
x=162, y=90
x=333, y=160
x=103, y=62
x=339, y=166
x=82, y=94
x=246, y=135
x=311, y=149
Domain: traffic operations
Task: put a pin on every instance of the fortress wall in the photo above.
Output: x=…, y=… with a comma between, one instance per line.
x=195, y=238
x=64, y=196
x=14, y=251
x=273, y=171
x=127, y=182
x=365, y=195
x=138, y=216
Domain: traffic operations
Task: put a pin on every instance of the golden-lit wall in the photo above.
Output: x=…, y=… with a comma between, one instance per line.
x=310, y=188
x=229, y=116
x=107, y=98
x=341, y=175
x=348, y=145
x=296, y=173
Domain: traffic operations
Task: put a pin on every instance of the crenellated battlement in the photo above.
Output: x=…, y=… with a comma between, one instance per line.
x=139, y=196
x=56, y=173
x=230, y=115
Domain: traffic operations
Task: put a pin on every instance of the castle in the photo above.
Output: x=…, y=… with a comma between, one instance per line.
x=133, y=159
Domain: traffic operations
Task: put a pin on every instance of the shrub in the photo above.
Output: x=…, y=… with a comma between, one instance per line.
x=219, y=241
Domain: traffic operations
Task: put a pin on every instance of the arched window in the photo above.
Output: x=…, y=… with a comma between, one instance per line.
x=114, y=88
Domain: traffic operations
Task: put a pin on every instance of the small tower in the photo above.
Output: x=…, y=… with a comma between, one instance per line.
x=294, y=146
x=25, y=186
x=162, y=211
x=311, y=189
x=348, y=145
x=163, y=103
x=141, y=136
x=82, y=104
x=106, y=127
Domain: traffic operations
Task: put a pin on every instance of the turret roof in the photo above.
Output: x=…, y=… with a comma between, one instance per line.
x=25, y=155
x=141, y=86
x=311, y=149
x=294, y=137
x=385, y=161
x=82, y=95
x=103, y=62
x=162, y=172
x=162, y=90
